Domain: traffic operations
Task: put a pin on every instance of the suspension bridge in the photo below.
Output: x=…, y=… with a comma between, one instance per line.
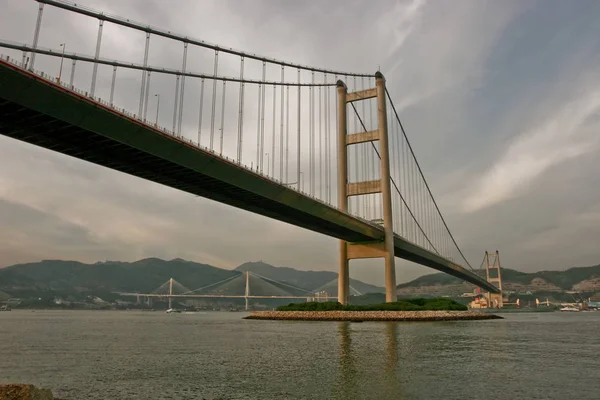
x=320, y=149
x=247, y=286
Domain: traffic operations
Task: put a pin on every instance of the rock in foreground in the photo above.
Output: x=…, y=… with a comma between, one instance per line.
x=24, y=392
x=372, y=315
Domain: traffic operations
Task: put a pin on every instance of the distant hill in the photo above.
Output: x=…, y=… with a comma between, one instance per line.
x=578, y=279
x=309, y=280
x=56, y=277
x=141, y=276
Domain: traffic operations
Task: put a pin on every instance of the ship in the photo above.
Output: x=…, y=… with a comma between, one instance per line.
x=569, y=309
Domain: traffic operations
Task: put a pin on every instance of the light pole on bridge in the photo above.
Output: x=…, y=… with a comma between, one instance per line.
x=63, y=45
x=268, y=163
x=295, y=183
x=157, y=106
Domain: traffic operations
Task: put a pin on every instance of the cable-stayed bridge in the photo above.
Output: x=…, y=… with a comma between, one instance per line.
x=247, y=285
x=320, y=149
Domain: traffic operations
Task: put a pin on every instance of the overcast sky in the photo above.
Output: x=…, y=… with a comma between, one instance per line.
x=501, y=101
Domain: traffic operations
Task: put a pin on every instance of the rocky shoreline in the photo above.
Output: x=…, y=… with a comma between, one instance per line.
x=19, y=391
x=359, y=316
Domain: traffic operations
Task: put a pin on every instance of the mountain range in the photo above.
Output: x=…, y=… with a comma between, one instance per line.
x=52, y=277
x=578, y=279
x=56, y=277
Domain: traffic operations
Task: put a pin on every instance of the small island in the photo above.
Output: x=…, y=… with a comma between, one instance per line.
x=437, y=309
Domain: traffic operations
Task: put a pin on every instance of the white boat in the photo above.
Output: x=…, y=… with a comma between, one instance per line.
x=569, y=308
x=173, y=310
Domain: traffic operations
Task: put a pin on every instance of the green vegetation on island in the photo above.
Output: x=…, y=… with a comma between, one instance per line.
x=436, y=304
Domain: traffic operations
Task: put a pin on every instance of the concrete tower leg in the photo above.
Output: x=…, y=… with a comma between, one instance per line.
x=386, y=191
x=344, y=273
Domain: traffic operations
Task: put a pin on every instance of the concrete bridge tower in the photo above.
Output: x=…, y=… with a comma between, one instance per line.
x=494, y=276
x=381, y=249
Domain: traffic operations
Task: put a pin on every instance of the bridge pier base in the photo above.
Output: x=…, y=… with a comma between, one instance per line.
x=343, y=274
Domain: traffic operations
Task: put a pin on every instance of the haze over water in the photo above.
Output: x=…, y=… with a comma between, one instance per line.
x=153, y=355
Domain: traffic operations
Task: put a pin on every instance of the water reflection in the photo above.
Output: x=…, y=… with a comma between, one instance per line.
x=369, y=364
x=391, y=386
x=346, y=384
x=391, y=330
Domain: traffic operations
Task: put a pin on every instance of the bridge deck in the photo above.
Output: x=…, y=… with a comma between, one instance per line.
x=45, y=114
